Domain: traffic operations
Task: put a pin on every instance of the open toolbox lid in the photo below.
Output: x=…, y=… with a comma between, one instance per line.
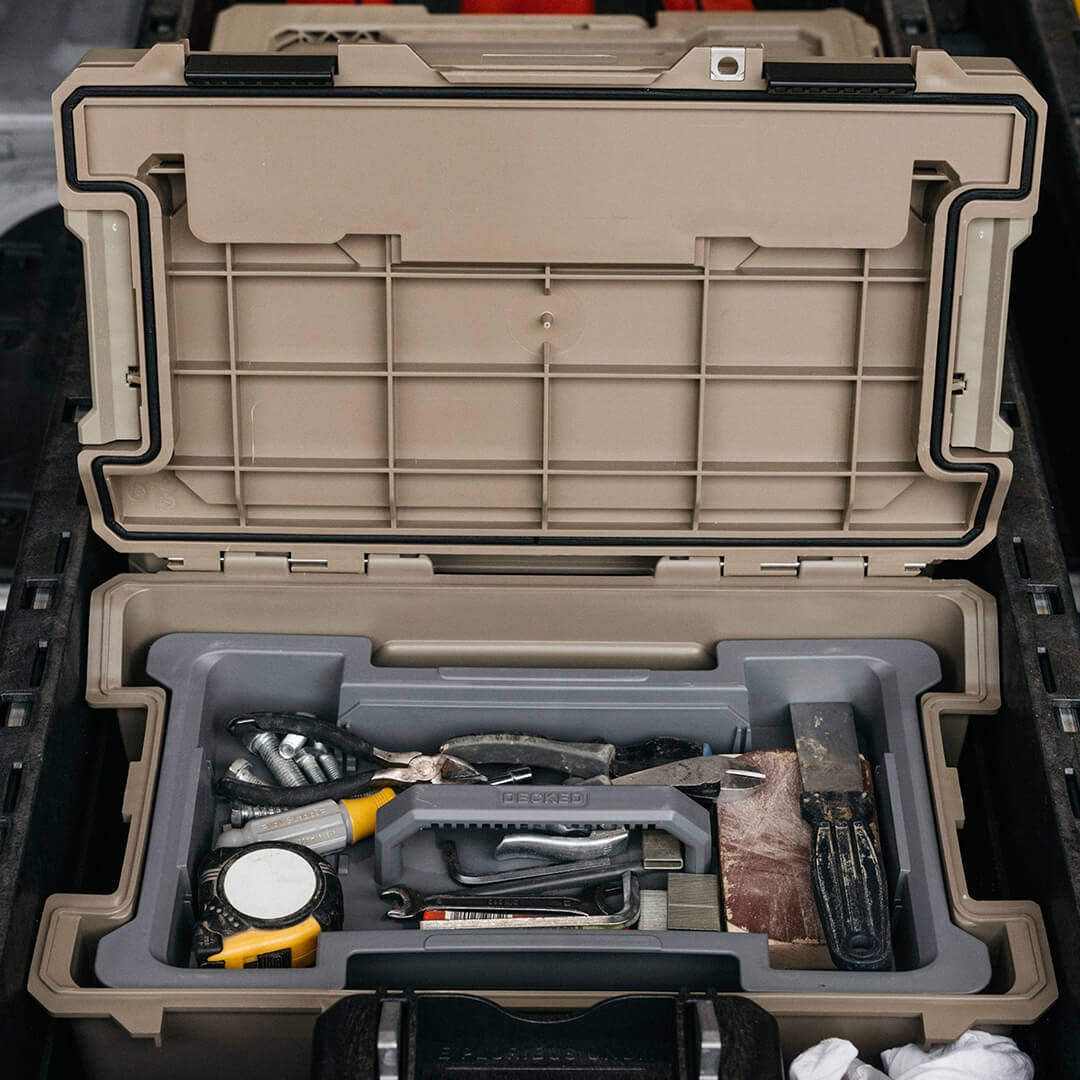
x=347, y=302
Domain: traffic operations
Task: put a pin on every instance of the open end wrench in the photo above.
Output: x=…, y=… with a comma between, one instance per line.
x=627, y=915
x=565, y=876
x=536, y=875
x=410, y=903
x=563, y=849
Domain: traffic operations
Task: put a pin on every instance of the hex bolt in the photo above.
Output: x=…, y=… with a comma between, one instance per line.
x=241, y=813
x=309, y=766
x=290, y=745
x=241, y=769
x=285, y=772
x=324, y=755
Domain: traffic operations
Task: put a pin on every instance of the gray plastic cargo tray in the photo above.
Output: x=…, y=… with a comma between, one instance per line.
x=741, y=704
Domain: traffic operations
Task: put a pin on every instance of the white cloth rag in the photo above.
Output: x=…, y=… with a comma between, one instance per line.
x=976, y=1055
x=833, y=1059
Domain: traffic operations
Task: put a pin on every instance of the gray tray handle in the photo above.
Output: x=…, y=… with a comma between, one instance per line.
x=428, y=807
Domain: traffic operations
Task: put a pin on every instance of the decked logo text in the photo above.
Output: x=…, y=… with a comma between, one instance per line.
x=544, y=798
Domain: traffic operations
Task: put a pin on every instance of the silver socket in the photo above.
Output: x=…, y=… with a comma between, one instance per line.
x=242, y=769
x=309, y=766
x=285, y=772
x=290, y=744
x=329, y=764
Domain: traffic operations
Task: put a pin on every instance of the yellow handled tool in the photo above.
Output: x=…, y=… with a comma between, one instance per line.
x=326, y=827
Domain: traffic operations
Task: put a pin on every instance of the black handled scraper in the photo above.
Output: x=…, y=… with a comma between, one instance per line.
x=846, y=869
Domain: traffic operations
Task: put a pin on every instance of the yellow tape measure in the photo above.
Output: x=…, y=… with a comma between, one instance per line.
x=264, y=906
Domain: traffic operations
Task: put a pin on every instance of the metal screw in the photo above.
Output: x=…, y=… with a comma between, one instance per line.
x=327, y=761
x=285, y=772
x=241, y=813
x=309, y=766
x=290, y=745
x=241, y=769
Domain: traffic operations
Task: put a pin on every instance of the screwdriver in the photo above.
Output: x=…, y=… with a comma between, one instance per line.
x=325, y=827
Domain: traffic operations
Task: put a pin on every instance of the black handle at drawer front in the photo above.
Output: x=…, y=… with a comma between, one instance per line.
x=647, y=1037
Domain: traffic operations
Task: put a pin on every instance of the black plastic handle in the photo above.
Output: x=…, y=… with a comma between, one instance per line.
x=584, y=759
x=347, y=787
x=663, y=750
x=647, y=1036
x=849, y=879
x=313, y=728
x=512, y=748
x=280, y=723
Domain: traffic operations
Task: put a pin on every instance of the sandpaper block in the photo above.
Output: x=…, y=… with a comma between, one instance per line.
x=764, y=848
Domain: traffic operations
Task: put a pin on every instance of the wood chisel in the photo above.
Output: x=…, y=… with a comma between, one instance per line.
x=846, y=868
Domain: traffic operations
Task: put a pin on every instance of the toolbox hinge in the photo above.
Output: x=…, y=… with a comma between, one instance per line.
x=255, y=564
x=688, y=570
x=683, y=570
x=401, y=568
x=835, y=568
x=273, y=564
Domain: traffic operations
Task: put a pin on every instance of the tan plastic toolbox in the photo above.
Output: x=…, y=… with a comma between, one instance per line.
x=559, y=362
x=450, y=39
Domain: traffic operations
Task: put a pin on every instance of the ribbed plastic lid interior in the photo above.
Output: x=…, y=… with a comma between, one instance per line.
x=767, y=390
x=531, y=319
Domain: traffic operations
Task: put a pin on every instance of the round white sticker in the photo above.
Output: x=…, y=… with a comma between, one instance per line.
x=269, y=883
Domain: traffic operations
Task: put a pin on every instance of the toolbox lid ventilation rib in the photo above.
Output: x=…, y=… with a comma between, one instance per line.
x=436, y=316
x=840, y=76
x=243, y=70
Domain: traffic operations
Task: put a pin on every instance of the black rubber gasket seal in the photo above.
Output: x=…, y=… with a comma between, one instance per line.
x=641, y=95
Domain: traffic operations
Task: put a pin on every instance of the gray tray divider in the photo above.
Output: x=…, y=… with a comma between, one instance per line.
x=740, y=703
